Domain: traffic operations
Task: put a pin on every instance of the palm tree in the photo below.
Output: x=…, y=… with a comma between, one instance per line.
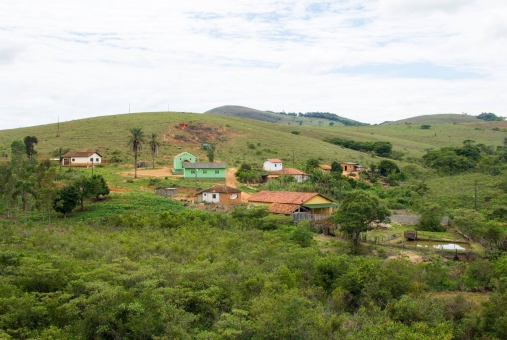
x=154, y=146
x=136, y=144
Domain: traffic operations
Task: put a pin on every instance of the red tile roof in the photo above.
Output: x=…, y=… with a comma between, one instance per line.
x=282, y=197
x=324, y=166
x=221, y=189
x=274, y=160
x=80, y=154
x=289, y=171
x=279, y=208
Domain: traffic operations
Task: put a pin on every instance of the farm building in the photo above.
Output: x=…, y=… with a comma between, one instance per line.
x=220, y=194
x=179, y=160
x=298, y=175
x=299, y=205
x=81, y=158
x=351, y=167
x=203, y=170
x=272, y=164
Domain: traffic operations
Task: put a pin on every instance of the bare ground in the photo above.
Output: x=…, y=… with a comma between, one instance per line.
x=165, y=171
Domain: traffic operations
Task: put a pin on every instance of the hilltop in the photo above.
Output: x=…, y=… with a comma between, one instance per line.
x=307, y=119
x=443, y=118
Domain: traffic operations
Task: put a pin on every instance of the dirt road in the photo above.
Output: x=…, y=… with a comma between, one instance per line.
x=159, y=172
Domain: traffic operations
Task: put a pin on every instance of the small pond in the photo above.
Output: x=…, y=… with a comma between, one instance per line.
x=439, y=245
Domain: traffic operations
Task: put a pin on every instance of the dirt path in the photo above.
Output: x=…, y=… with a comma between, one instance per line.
x=159, y=172
x=230, y=180
x=230, y=177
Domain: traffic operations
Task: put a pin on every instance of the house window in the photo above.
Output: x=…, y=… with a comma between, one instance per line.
x=96, y=159
x=73, y=160
x=91, y=160
x=214, y=196
x=192, y=172
x=275, y=165
x=205, y=171
x=217, y=172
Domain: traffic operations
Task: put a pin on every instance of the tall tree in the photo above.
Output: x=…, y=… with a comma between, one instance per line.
x=357, y=211
x=154, y=146
x=30, y=142
x=211, y=154
x=136, y=144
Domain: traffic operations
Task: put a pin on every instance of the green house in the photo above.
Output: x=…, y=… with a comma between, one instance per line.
x=179, y=160
x=204, y=170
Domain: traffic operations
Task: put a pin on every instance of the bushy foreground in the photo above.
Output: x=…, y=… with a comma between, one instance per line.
x=210, y=276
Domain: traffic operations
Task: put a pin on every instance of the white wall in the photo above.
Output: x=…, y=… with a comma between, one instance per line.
x=268, y=166
x=208, y=197
x=81, y=160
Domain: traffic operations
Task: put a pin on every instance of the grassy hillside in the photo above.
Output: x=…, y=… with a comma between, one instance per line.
x=445, y=118
x=236, y=137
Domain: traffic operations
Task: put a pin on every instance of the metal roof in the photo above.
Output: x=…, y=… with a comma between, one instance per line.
x=204, y=165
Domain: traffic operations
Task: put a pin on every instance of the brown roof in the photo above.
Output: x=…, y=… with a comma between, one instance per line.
x=324, y=166
x=274, y=160
x=221, y=189
x=289, y=171
x=279, y=208
x=282, y=197
x=80, y=154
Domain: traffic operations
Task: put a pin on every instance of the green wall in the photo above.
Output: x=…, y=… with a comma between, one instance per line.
x=178, y=161
x=210, y=173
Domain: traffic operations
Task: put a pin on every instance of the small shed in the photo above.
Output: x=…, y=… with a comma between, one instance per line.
x=219, y=194
x=166, y=192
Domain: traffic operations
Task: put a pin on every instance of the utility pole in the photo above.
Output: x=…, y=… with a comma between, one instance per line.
x=93, y=166
x=293, y=158
x=61, y=159
x=195, y=191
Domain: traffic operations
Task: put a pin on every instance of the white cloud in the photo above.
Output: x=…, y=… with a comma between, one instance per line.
x=92, y=58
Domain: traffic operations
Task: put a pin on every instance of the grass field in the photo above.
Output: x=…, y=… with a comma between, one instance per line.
x=238, y=138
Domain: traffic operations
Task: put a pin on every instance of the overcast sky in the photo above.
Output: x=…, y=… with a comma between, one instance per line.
x=369, y=60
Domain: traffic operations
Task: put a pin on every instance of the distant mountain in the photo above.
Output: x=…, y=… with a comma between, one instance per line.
x=309, y=118
x=245, y=112
x=443, y=118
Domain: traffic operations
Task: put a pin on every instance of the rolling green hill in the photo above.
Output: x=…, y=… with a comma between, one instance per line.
x=236, y=137
x=444, y=118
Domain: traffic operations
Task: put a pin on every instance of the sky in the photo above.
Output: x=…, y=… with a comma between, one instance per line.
x=368, y=60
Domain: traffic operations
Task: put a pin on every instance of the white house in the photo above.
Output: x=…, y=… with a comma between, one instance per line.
x=272, y=164
x=81, y=158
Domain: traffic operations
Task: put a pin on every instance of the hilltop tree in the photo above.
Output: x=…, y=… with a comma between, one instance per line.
x=136, y=144
x=357, y=211
x=30, y=142
x=154, y=146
